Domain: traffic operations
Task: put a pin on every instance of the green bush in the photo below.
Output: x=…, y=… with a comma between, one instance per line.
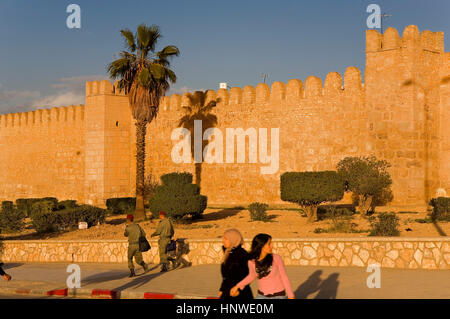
x=25, y=204
x=11, y=219
x=258, y=211
x=330, y=212
x=44, y=206
x=441, y=208
x=7, y=205
x=121, y=205
x=45, y=221
x=67, y=204
x=369, y=181
x=173, y=179
x=69, y=218
x=386, y=225
x=177, y=196
x=310, y=189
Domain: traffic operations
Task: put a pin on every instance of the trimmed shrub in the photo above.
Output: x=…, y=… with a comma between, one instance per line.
x=173, y=179
x=441, y=208
x=44, y=206
x=177, y=196
x=67, y=204
x=121, y=205
x=25, y=204
x=258, y=211
x=386, y=225
x=11, y=219
x=44, y=221
x=69, y=218
x=368, y=179
x=310, y=189
x=7, y=205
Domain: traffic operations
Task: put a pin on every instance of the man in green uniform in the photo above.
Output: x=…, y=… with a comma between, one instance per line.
x=165, y=232
x=133, y=231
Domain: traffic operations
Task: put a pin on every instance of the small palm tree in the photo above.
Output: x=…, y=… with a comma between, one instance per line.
x=198, y=110
x=144, y=75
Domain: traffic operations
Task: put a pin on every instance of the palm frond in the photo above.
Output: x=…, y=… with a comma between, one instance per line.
x=129, y=39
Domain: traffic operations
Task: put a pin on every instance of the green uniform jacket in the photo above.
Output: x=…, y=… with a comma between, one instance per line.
x=133, y=232
x=164, y=229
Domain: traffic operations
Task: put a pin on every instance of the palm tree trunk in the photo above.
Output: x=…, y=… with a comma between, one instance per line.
x=141, y=130
x=198, y=174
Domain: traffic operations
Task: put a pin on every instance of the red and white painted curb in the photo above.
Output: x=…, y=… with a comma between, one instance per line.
x=98, y=294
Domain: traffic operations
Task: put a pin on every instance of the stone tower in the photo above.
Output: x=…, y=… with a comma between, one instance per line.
x=403, y=81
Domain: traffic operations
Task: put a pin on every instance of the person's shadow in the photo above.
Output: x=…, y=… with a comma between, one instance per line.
x=310, y=286
x=327, y=288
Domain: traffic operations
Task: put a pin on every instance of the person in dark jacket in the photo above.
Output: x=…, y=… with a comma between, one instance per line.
x=234, y=267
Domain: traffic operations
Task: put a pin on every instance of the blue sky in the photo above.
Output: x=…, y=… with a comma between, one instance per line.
x=43, y=63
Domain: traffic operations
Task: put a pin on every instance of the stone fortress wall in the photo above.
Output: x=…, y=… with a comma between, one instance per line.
x=400, y=113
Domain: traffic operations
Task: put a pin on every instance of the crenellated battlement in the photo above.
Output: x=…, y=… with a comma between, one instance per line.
x=411, y=38
x=102, y=87
x=43, y=117
x=292, y=92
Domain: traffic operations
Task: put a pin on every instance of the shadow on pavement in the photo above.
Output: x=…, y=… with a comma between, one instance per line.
x=12, y=265
x=138, y=281
x=327, y=289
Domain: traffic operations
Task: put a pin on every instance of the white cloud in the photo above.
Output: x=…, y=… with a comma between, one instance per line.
x=12, y=101
x=182, y=90
x=63, y=99
x=69, y=91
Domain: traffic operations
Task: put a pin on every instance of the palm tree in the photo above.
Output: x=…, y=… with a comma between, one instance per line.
x=198, y=110
x=144, y=75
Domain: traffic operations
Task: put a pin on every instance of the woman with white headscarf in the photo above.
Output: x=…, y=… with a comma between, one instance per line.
x=234, y=266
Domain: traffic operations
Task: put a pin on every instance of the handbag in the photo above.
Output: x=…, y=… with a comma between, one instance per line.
x=144, y=245
x=172, y=246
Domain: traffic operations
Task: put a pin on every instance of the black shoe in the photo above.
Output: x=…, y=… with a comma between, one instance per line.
x=175, y=265
x=132, y=274
x=164, y=268
x=144, y=265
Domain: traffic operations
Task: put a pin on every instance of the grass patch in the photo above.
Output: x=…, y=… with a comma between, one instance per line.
x=407, y=212
x=426, y=220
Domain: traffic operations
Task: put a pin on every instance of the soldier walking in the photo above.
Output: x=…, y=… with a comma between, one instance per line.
x=133, y=231
x=165, y=232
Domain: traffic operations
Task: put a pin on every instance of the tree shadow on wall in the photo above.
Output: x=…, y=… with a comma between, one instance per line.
x=327, y=289
x=199, y=110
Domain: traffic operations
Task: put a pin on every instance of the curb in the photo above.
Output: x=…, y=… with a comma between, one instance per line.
x=98, y=294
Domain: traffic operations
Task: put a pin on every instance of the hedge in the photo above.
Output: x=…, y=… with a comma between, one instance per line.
x=310, y=189
x=11, y=219
x=441, y=208
x=25, y=204
x=177, y=196
x=121, y=205
x=48, y=221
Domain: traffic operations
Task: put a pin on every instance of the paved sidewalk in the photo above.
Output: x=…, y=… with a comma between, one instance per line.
x=204, y=281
